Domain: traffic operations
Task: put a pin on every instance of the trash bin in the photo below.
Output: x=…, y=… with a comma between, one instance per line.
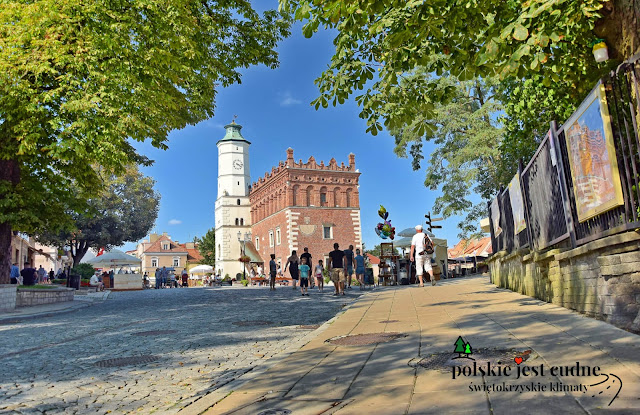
x=74, y=281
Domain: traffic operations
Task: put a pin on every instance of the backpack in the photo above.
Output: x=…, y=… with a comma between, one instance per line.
x=428, y=245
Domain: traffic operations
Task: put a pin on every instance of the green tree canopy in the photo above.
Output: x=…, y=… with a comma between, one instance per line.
x=207, y=247
x=124, y=211
x=80, y=80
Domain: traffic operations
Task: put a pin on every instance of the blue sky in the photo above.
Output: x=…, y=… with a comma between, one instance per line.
x=273, y=106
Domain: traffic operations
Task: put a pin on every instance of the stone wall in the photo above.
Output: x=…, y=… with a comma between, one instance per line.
x=600, y=279
x=29, y=297
x=7, y=297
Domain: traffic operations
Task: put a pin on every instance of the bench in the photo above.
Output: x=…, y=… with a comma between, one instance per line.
x=258, y=280
x=283, y=280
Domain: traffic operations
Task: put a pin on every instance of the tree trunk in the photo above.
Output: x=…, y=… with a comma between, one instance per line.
x=620, y=28
x=9, y=172
x=81, y=249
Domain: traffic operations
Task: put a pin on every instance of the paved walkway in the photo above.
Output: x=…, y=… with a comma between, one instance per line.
x=386, y=378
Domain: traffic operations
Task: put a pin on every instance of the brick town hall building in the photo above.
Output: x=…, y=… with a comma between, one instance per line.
x=293, y=206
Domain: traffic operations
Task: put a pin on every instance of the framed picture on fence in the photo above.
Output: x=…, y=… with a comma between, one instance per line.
x=592, y=157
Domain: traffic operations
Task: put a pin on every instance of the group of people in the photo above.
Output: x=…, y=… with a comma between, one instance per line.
x=31, y=276
x=166, y=279
x=303, y=272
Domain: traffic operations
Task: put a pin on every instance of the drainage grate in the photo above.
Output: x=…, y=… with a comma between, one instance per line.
x=127, y=361
x=154, y=332
x=446, y=360
x=365, y=339
x=253, y=323
x=309, y=327
x=389, y=321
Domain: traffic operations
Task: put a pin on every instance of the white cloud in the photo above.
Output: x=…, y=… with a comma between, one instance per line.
x=175, y=222
x=288, y=100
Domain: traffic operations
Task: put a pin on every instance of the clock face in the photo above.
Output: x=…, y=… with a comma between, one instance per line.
x=237, y=164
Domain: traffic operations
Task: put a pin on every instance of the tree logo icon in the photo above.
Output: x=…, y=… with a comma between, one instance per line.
x=463, y=349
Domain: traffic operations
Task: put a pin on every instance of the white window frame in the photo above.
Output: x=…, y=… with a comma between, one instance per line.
x=165, y=245
x=271, y=239
x=176, y=261
x=330, y=231
x=257, y=242
x=154, y=262
x=278, y=237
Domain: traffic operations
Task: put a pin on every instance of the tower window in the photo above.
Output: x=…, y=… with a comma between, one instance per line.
x=237, y=221
x=238, y=183
x=241, y=221
x=238, y=202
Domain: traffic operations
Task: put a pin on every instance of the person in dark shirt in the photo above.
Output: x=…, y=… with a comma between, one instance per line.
x=273, y=267
x=336, y=268
x=348, y=270
x=307, y=257
x=292, y=263
x=28, y=275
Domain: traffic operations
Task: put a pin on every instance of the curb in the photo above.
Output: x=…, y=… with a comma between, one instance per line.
x=76, y=304
x=209, y=400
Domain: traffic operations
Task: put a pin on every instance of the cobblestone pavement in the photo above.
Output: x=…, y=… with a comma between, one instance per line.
x=206, y=337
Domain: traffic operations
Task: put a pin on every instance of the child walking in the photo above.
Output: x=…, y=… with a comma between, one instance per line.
x=304, y=277
x=318, y=272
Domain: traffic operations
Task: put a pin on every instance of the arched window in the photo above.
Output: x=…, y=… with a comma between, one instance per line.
x=308, y=195
x=323, y=196
x=336, y=197
x=238, y=202
x=241, y=221
x=296, y=190
x=237, y=221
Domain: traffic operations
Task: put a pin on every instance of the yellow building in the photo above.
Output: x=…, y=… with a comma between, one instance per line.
x=160, y=251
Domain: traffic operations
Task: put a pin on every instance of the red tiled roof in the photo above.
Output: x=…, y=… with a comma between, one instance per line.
x=467, y=247
x=156, y=247
x=194, y=255
x=373, y=259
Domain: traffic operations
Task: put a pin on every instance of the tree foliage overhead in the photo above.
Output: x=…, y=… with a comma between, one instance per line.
x=124, y=211
x=207, y=247
x=80, y=80
x=480, y=38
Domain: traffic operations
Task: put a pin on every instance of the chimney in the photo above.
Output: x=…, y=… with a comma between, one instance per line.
x=352, y=160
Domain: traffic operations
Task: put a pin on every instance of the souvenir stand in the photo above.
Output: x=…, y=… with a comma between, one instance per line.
x=388, y=264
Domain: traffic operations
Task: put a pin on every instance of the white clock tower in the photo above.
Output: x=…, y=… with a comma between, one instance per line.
x=233, y=209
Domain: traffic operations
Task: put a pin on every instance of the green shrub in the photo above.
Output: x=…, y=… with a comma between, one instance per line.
x=84, y=270
x=226, y=277
x=245, y=282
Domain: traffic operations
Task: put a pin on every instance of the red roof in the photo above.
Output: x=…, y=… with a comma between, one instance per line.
x=194, y=255
x=374, y=260
x=156, y=247
x=471, y=247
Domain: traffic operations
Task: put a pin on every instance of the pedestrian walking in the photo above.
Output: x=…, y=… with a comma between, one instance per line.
x=348, y=254
x=319, y=273
x=293, y=263
x=337, y=264
x=272, y=273
x=306, y=255
x=42, y=273
x=359, y=260
x=420, y=246
x=163, y=276
x=305, y=270
x=158, y=278
x=15, y=273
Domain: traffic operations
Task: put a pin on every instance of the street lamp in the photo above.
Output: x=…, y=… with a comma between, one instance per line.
x=247, y=238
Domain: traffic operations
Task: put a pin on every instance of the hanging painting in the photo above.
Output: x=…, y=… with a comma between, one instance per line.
x=495, y=217
x=517, y=206
x=592, y=157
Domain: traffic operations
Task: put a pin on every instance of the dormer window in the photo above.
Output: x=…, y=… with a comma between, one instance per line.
x=165, y=246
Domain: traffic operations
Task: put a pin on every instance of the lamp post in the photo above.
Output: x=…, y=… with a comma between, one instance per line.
x=243, y=240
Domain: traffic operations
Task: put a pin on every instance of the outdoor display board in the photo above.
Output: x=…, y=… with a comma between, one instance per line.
x=517, y=205
x=592, y=157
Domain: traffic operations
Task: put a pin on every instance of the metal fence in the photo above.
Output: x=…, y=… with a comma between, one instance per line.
x=547, y=187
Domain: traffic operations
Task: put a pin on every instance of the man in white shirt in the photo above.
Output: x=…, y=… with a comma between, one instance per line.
x=95, y=282
x=422, y=259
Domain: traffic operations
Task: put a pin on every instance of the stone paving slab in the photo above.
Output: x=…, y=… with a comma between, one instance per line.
x=48, y=361
x=384, y=377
